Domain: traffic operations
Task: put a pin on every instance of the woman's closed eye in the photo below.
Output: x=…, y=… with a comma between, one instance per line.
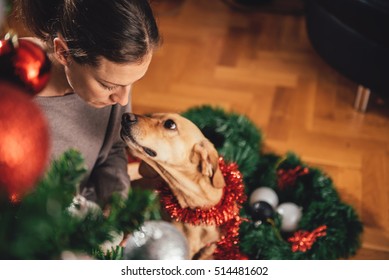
x=109, y=88
x=106, y=87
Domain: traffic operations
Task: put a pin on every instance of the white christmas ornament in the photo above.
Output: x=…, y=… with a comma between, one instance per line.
x=290, y=216
x=80, y=207
x=264, y=194
x=156, y=240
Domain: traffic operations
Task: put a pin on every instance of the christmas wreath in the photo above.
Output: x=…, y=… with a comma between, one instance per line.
x=299, y=214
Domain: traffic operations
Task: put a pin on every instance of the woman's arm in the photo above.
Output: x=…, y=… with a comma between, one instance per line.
x=109, y=175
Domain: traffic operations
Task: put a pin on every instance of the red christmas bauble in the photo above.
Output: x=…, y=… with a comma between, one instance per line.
x=24, y=63
x=24, y=141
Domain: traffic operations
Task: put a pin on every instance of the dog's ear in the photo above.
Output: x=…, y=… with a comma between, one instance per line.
x=208, y=162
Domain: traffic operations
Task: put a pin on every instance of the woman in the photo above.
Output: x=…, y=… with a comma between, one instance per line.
x=98, y=49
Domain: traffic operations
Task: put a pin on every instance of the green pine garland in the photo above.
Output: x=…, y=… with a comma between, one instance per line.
x=41, y=227
x=238, y=140
x=234, y=136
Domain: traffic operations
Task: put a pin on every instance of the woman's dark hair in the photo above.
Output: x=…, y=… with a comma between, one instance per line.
x=122, y=31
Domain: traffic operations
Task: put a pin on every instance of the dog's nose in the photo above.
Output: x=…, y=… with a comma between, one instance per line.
x=129, y=119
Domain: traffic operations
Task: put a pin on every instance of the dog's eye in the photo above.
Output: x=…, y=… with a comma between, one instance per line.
x=169, y=124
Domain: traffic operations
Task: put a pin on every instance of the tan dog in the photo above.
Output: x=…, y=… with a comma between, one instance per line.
x=187, y=161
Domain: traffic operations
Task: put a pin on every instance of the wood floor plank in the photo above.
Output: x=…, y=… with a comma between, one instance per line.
x=264, y=63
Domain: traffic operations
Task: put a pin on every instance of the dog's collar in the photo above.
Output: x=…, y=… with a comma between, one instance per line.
x=227, y=208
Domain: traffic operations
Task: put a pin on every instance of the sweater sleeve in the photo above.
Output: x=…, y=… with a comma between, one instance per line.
x=109, y=174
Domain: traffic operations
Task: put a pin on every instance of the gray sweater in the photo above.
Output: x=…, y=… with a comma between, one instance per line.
x=95, y=133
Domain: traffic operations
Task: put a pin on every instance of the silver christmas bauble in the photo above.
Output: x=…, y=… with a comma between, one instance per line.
x=264, y=194
x=157, y=240
x=80, y=207
x=290, y=216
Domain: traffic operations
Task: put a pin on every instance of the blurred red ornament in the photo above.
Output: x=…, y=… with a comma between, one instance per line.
x=24, y=63
x=303, y=240
x=24, y=141
x=287, y=177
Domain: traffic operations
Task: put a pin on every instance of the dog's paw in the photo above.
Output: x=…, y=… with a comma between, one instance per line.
x=205, y=253
x=133, y=171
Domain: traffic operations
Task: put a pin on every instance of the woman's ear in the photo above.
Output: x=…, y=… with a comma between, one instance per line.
x=61, y=50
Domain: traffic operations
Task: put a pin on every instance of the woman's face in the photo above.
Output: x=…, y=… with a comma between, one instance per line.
x=107, y=84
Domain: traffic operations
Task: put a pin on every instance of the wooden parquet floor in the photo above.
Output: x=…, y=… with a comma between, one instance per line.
x=262, y=65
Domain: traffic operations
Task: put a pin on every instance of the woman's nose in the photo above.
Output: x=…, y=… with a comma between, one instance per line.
x=121, y=96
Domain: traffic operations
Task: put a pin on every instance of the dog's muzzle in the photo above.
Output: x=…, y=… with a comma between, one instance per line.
x=128, y=120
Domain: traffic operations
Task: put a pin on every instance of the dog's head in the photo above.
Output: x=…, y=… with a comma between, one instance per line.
x=175, y=148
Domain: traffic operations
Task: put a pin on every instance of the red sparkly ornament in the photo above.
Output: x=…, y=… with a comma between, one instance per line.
x=304, y=240
x=24, y=141
x=24, y=63
x=287, y=177
x=225, y=214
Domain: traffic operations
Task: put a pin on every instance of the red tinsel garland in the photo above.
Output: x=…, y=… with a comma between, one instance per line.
x=225, y=214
